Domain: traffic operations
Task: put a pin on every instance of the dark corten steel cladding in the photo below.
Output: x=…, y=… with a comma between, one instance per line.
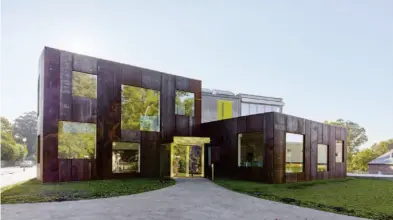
x=274, y=126
x=104, y=110
x=58, y=104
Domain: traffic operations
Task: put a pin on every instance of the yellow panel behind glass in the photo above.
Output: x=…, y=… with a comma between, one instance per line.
x=227, y=110
x=224, y=109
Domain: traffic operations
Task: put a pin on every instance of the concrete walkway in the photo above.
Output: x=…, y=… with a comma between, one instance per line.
x=197, y=199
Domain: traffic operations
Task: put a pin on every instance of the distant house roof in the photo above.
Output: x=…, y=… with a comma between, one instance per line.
x=386, y=158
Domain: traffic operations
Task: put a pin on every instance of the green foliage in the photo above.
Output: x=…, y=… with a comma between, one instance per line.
x=22, y=152
x=140, y=109
x=76, y=140
x=185, y=102
x=10, y=150
x=33, y=191
x=179, y=160
x=6, y=126
x=361, y=159
x=125, y=146
x=84, y=85
x=25, y=127
x=366, y=198
x=383, y=146
x=356, y=136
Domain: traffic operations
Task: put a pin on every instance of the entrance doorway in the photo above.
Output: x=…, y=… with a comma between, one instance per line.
x=187, y=161
x=187, y=157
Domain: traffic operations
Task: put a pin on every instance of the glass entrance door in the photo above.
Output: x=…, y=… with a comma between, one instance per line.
x=186, y=161
x=195, y=161
x=179, y=161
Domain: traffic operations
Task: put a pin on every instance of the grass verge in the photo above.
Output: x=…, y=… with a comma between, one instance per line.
x=34, y=191
x=368, y=198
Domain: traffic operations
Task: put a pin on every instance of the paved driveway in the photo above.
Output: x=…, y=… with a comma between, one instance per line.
x=189, y=199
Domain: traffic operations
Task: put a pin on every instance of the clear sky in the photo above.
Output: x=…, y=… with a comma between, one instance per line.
x=327, y=59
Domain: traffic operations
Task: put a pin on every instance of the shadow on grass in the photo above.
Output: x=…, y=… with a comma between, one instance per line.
x=34, y=191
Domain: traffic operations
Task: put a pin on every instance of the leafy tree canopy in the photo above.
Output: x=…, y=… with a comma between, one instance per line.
x=25, y=127
x=361, y=159
x=356, y=135
x=10, y=150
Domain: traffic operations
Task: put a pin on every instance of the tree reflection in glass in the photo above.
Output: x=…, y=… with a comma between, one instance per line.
x=179, y=161
x=125, y=157
x=84, y=85
x=76, y=140
x=184, y=103
x=140, y=109
x=195, y=165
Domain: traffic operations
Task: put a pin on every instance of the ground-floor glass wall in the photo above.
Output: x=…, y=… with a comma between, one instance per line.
x=187, y=156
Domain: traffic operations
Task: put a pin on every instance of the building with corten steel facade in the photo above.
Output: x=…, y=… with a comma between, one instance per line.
x=100, y=119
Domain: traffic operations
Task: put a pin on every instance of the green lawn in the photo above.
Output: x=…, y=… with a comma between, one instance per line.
x=34, y=191
x=369, y=198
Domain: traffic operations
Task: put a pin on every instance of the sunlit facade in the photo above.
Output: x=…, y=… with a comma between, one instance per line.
x=99, y=119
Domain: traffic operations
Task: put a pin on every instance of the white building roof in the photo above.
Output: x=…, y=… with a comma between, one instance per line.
x=386, y=158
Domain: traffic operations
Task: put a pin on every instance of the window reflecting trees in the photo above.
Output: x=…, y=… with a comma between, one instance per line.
x=76, y=140
x=184, y=103
x=84, y=85
x=140, y=109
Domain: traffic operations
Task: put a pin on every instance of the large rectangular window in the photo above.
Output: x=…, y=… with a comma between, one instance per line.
x=140, y=109
x=339, y=151
x=84, y=85
x=253, y=109
x=322, y=157
x=125, y=157
x=184, y=103
x=268, y=108
x=260, y=109
x=76, y=140
x=245, y=109
x=294, y=153
x=251, y=149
